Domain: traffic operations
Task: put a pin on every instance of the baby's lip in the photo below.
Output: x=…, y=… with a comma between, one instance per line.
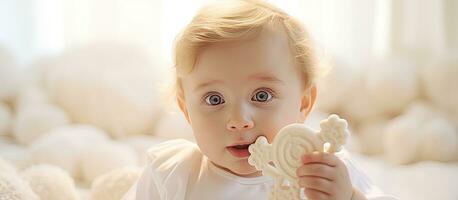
x=241, y=143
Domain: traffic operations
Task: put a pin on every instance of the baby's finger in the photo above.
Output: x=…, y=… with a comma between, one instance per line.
x=316, y=169
x=313, y=194
x=316, y=183
x=321, y=157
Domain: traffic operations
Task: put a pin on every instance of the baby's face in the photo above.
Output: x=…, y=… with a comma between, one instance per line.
x=242, y=90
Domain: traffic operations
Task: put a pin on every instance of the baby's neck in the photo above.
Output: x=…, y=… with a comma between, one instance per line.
x=252, y=175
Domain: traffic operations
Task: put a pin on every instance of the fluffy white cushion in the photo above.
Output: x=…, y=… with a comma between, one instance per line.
x=141, y=143
x=112, y=86
x=358, y=109
x=97, y=160
x=344, y=91
x=369, y=136
x=18, y=155
x=34, y=120
x=6, y=167
x=114, y=184
x=31, y=94
x=401, y=141
x=440, y=81
x=9, y=75
x=5, y=119
x=14, y=188
x=439, y=140
x=50, y=182
x=173, y=125
x=392, y=84
x=422, y=133
x=64, y=146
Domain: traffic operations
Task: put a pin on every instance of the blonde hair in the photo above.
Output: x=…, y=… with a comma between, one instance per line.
x=234, y=21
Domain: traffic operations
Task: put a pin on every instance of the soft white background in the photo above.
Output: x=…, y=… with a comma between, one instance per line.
x=350, y=32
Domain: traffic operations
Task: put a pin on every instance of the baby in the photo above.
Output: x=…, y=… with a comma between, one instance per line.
x=244, y=69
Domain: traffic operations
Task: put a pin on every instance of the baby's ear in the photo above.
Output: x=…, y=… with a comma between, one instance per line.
x=308, y=101
x=182, y=104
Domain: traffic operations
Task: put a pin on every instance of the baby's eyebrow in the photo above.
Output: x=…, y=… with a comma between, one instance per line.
x=265, y=77
x=207, y=83
x=257, y=77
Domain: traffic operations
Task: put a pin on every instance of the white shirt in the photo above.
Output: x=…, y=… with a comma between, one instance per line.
x=177, y=170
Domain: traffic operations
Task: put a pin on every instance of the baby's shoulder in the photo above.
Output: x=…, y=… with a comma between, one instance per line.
x=168, y=168
x=173, y=153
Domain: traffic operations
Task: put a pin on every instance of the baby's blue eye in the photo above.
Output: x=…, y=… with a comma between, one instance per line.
x=214, y=100
x=262, y=96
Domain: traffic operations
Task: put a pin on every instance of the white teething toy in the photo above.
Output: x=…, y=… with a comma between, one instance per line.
x=286, y=151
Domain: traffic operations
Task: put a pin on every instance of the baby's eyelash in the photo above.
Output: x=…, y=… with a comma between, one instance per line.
x=209, y=94
x=270, y=95
x=270, y=91
x=205, y=99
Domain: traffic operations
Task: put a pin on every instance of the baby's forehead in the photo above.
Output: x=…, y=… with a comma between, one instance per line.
x=264, y=52
x=264, y=40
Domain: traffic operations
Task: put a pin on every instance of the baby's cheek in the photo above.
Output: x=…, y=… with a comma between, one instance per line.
x=271, y=123
x=270, y=128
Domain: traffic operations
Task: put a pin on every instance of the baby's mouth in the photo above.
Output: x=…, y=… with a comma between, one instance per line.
x=240, y=150
x=245, y=146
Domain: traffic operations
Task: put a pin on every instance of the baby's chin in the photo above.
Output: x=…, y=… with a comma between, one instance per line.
x=240, y=168
x=245, y=170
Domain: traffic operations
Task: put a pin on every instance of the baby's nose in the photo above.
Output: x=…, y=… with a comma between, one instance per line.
x=238, y=125
x=240, y=117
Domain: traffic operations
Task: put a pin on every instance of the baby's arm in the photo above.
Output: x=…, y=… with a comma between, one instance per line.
x=145, y=187
x=358, y=195
x=325, y=176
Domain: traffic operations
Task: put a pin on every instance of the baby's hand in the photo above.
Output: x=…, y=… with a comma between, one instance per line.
x=324, y=176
